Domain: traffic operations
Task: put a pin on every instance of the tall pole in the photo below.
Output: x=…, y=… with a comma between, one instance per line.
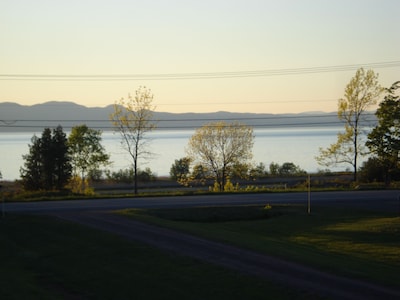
x=399, y=205
x=3, y=212
x=309, y=194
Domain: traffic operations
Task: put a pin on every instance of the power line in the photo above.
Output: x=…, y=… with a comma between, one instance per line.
x=271, y=122
x=110, y=128
x=249, y=102
x=205, y=75
x=251, y=118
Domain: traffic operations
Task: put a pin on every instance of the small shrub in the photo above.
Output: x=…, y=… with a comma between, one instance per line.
x=267, y=207
x=229, y=187
x=79, y=186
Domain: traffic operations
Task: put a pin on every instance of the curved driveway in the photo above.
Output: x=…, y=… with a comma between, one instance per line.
x=94, y=213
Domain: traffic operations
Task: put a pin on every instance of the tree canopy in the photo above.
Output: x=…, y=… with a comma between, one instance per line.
x=384, y=139
x=217, y=146
x=47, y=166
x=361, y=92
x=180, y=170
x=86, y=151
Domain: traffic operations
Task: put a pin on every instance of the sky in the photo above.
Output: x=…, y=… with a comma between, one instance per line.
x=94, y=52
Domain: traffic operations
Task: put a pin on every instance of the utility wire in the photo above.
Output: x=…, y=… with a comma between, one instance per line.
x=272, y=117
x=46, y=123
x=248, y=102
x=192, y=126
x=206, y=75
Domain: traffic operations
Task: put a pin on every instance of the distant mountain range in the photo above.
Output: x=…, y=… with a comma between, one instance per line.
x=20, y=118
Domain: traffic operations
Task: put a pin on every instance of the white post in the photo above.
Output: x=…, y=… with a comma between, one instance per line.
x=3, y=213
x=309, y=194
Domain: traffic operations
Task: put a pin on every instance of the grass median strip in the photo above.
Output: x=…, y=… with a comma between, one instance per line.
x=359, y=244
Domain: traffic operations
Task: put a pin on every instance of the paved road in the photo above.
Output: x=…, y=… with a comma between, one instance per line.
x=377, y=200
x=94, y=213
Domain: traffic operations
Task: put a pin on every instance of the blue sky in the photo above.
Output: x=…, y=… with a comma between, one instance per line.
x=118, y=37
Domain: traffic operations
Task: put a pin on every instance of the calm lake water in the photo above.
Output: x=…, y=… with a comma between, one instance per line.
x=279, y=145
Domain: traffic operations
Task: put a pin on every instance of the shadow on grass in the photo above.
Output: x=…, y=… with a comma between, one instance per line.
x=361, y=244
x=45, y=258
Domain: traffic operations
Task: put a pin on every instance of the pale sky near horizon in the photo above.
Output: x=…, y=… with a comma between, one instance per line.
x=154, y=38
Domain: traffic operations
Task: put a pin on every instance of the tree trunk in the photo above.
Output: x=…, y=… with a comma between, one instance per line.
x=223, y=180
x=355, y=150
x=135, y=177
x=355, y=168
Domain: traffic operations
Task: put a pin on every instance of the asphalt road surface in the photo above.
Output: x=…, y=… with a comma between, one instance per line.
x=95, y=213
x=374, y=200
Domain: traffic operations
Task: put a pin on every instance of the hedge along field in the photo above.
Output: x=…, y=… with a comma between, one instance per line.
x=359, y=244
x=45, y=258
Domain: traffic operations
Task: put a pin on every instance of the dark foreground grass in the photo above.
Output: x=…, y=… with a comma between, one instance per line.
x=357, y=244
x=45, y=258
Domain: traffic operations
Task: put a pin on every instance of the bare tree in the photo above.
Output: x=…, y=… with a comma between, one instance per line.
x=132, y=118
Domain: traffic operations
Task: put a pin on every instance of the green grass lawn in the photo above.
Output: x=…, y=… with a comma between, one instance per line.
x=45, y=258
x=359, y=244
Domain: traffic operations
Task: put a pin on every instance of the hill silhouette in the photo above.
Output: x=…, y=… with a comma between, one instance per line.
x=21, y=118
